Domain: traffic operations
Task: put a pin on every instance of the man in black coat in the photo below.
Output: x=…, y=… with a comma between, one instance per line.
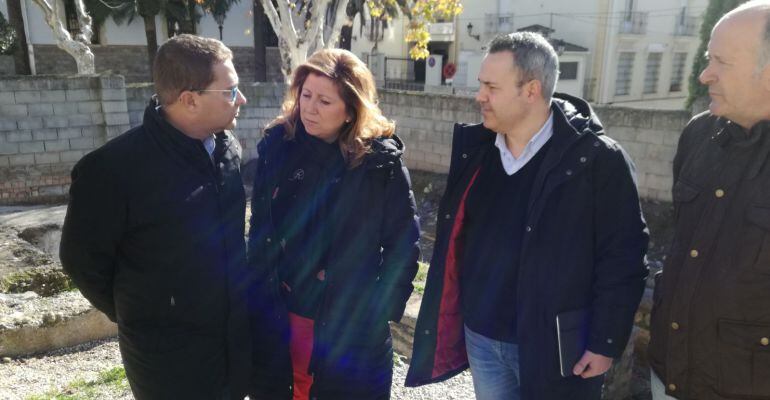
x=540, y=219
x=154, y=232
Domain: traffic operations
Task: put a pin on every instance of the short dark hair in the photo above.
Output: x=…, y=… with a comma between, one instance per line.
x=186, y=62
x=532, y=55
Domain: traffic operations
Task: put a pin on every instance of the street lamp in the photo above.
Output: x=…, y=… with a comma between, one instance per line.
x=220, y=19
x=470, y=32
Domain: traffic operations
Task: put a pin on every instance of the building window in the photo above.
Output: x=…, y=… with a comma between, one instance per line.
x=652, y=72
x=677, y=72
x=71, y=15
x=568, y=71
x=625, y=69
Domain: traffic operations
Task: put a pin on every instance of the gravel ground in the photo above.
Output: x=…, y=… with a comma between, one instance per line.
x=37, y=375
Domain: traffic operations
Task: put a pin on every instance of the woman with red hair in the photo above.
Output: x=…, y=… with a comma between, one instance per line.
x=333, y=238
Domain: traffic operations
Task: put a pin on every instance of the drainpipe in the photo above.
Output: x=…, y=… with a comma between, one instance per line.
x=30, y=48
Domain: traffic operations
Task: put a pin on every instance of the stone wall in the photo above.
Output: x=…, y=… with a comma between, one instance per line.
x=425, y=123
x=131, y=62
x=47, y=124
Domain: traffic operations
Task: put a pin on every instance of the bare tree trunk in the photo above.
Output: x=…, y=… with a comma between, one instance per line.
x=297, y=38
x=21, y=56
x=260, y=51
x=79, y=50
x=152, y=42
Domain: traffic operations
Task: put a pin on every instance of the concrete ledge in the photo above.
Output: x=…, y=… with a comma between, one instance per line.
x=32, y=324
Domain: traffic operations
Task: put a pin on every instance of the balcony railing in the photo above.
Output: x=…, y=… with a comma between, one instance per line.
x=685, y=26
x=634, y=23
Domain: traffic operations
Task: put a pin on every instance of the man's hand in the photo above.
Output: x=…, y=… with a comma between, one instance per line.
x=592, y=364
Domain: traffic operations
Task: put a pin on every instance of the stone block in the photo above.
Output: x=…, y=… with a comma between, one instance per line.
x=671, y=138
x=80, y=120
x=65, y=108
x=7, y=97
x=88, y=107
x=670, y=120
x=55, y=122
x=92, y=131
x=21, y=159
x=8, y=125
x=57, y=145
x=116, y=130
x=45, y=134
x=116, y=119
x=79, y=95
x=27, y=97
x=114, y=107
x=638, y=118
x=83, y=143
x=5, y=161
x=30, y=123
x=31, y=147
x=40, y=110
x=70, y=133
x=13, y=110
x=8, y=148
x=649, y=136
x=113, y=94
x=19, y=136
x=71, y=155
x=53, y=96
x=47, y=158
x=97, y=118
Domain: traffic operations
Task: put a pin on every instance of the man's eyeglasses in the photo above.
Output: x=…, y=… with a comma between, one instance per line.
x=233, y=92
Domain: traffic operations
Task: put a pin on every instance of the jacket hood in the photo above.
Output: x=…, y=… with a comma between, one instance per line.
x=385, y=151
x=579, y=114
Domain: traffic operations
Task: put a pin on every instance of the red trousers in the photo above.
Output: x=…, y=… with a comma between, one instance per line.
x=300, y=349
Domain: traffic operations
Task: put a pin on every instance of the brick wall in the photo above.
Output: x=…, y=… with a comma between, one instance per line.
x=131, y=62
x=48, y=123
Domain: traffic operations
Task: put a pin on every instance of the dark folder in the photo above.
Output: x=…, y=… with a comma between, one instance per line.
x=572, y=337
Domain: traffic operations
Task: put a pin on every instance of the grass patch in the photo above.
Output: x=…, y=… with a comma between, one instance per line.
x=109, y=381
x=44, y=281
x=421, y=277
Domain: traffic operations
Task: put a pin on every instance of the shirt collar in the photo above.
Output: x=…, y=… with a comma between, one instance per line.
x=511, y=164
x=210, y=144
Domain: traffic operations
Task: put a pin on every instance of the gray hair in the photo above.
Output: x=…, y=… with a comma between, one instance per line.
x=533, y=56
x=763, y=7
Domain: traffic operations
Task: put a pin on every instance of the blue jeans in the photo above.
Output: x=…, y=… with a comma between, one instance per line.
x=494, y=367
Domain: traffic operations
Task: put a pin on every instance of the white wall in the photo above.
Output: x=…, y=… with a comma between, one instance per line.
x=392, y=45
x=236, y=30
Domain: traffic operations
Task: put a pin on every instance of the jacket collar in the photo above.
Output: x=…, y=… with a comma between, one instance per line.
x=191, y=149
x=573, y=117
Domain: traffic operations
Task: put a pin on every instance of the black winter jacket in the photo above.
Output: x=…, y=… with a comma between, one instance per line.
x=583, y=247
x=370, y=265
x=710, y=323
x=154, y=238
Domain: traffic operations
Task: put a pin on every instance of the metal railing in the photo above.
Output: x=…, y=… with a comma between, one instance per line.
x=634, y=23
x=685, y=26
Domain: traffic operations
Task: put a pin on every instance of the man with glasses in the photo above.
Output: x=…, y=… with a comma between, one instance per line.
x=154, y=232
